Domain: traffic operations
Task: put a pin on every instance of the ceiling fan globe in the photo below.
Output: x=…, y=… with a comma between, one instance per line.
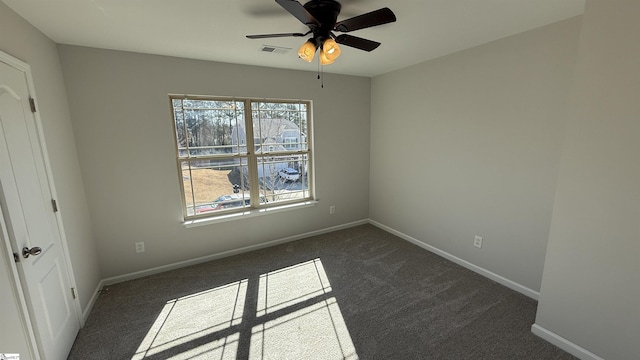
x=330, y=51
x=307, y=50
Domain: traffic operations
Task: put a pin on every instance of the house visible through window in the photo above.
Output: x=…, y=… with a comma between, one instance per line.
x=238, y=154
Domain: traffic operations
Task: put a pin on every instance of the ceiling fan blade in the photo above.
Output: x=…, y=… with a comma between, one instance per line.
x=264, y=36
x=374, y=18
x=357, y=42
x=296, y=9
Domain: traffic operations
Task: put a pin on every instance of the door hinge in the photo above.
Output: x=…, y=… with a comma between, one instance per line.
x=32, y=103
x=54, y=204
x=73, y=293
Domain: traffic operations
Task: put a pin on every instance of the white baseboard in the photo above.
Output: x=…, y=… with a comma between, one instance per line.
x=156, y=270
x=564, y=344
x=92, y=302
x=475, y=268
x=538, y=330
x=181, y=264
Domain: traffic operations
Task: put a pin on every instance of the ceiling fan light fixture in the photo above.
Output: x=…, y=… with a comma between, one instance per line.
x=330, y=49
x=324, y=60
x=307, y=50
x=320, y=16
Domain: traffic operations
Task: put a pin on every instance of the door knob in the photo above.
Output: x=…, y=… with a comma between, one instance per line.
x=33, y=251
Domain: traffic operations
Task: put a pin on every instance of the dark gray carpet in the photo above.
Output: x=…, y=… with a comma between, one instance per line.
x=359, y=293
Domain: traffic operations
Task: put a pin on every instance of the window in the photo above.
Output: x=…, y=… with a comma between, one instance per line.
x=238, y=154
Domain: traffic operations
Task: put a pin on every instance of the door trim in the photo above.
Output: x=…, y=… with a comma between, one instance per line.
x=25, y=315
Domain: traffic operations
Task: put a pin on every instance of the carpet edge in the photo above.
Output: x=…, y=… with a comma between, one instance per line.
x=464, y=263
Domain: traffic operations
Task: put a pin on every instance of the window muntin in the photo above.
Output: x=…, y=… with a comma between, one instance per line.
x=239, y=154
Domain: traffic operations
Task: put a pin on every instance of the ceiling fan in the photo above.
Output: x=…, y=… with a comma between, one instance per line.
x=321, y=18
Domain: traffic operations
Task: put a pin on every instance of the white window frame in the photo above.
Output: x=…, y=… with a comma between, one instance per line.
x=250, y=157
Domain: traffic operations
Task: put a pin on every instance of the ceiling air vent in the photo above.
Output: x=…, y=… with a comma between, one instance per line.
x=275, y=49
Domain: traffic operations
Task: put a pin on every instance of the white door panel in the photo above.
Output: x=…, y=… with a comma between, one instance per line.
x=25, y=196
x=57, y=312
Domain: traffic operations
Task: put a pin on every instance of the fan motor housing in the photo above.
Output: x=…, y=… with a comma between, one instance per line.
x=326, y=12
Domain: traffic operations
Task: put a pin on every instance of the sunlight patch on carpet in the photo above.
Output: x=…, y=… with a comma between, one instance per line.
x=315, y=330
x=289, y=286
x=296, y=317
x=190, y=318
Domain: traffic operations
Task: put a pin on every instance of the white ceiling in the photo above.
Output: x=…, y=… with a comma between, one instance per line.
x=215, y=29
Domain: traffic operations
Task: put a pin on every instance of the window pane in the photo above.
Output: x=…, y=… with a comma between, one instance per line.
x=284, y=177
x=215, y=185
x=206, y=127
x=279, y=127
x=297, y=114
x=217, y=159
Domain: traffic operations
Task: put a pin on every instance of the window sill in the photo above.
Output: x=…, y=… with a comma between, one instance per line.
x=247, y=214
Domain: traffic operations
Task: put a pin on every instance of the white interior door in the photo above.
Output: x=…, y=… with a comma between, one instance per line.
x=25, y=196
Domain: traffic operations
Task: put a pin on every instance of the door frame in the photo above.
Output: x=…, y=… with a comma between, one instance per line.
x=19, y=288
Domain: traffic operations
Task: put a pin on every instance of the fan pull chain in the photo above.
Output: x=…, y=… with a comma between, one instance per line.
x=320, y=74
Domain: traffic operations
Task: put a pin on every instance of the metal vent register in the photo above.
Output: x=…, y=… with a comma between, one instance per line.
x=275, y=49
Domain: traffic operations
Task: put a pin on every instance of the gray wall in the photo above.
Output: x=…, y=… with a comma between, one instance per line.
x=124, y=131
x=469, y=144
x=591, y=285
x=21, y=40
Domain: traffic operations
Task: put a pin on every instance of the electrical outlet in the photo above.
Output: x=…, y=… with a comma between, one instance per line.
x=140, y=247
x=332, y=209
x=477, y=241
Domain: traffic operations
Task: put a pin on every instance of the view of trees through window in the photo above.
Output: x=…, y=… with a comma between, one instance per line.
x=234, y=154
